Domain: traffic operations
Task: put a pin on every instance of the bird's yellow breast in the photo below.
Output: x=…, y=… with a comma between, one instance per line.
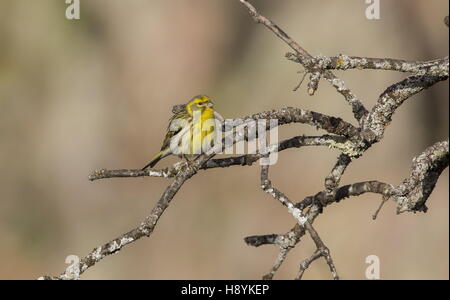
x=200, y=134
x=203, y=132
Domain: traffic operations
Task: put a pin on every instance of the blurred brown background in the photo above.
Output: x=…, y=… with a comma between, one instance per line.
x=97, y=92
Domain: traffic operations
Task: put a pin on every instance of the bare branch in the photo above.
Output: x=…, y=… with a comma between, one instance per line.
x=438, y=67
x=281, y=257
x=258, y=240
x=288, y=115
x=305, y=263
x=303, y=221
x=168, y=172
x=333, y=179
x=323, y=250
x=388, y=102
x=426, y=169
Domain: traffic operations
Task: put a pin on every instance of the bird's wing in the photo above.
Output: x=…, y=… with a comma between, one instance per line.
x=176, y=124
x=179, y=108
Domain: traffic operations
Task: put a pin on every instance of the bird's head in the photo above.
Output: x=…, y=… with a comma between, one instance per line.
x=199, y=103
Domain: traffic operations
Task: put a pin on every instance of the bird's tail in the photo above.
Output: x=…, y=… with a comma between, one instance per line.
x=155, y=160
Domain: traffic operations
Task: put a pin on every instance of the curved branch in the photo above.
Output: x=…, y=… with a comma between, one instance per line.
x=426, y=169
x=288, y=115
x=391, y=99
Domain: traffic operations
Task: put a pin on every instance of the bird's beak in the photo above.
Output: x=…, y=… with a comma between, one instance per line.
x=210, y=104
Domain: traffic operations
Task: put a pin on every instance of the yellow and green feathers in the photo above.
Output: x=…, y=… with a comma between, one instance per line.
x=191, y=130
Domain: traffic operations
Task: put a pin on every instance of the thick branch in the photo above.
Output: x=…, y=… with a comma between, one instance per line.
x=288, y=115
x=391, y=99
x=333, y=179
x=426, y=169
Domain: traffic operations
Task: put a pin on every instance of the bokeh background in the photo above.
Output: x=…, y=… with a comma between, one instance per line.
x=94, y=93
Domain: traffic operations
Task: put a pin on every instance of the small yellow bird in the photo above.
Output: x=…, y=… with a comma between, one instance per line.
x=191, y=130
